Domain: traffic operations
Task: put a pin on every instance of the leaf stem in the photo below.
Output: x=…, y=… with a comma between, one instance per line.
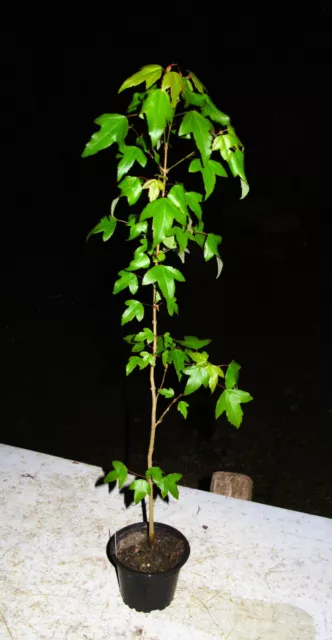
x=183, y=159
x=163, y=380
x=168, y=408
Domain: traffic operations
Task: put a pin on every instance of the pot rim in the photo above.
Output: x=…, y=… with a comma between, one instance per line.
x=140, y=525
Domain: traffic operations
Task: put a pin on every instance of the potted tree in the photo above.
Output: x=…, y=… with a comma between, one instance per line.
x=171, y=109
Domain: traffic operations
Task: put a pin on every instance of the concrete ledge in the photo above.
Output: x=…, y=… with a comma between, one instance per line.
x=254, y=570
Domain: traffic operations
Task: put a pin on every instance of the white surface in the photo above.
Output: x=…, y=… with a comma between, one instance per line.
x=255, y=573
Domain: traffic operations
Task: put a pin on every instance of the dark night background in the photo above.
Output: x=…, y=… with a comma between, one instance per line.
x=64, y=388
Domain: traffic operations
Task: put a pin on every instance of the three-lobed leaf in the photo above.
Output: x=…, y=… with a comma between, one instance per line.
x=119, y=474
x=113, y=128
x=232, y=374
x=211, y=244
x=106, y=226
x=158, y=111
x=197, y=376
x=192, y=342
x=130, y=155
x=131, y=188
x=126, y=279
x=173, y=81
x=163, y=212
x=141, y=488
x=135, y=310
x=230, y=402
x=183, y=408
x=193, y=122
x=149, y=74
x=209, y=172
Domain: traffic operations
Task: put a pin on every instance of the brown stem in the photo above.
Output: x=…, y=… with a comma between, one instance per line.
x=154, y=396
x=153, y=415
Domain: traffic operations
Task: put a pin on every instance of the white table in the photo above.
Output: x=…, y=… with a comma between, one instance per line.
x=255, y=572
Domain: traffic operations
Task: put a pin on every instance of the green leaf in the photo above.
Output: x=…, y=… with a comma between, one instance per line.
x=195, y=166
x=162, y=212
x=141, y=489
x=193, y=199
x=168, y=340
x=147, y=358
x=213, y=112
x=164, y=357
x=211, y=246
x=140, y=141
x=214, y=374
x=177, y=196
x=190, y=97
x=133, y=362
x=113, y=128
x=169, y=485
x=139, y=346
x=209, y=172
x=174, y=82
x=106, y=226
x=178, y=358
x=236, y=164
x=142, y=247
x=130, y=338
x=198, y=84
x=126, y=279
x=181, y=237
x=232, y=374
x=193, y=122
x=172, y=306
x=113, y=205
x=183, y=408
x=164, y=276
x=193, y=343
x=244, y=189
x=160, y=345
x=130, y=155
x=155, y=187
x=146, y=334
x=155, y=473
x=230, y=402
x=131, y=188
x=168, y=393
x=220, y=265
x=120, y=473
x=198, y=376
x=140, y=261
x=200, y=357
x=136, y=102
x=158, y=111
x=137, y=229
x=170, y=242
x=135, y=310
x=149, y=74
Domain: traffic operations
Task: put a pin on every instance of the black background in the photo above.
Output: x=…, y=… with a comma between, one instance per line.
x=64, y=388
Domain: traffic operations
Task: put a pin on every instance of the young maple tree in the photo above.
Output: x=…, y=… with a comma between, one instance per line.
x=172, y=106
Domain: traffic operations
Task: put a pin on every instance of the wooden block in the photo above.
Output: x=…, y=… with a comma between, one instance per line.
x=235, y=485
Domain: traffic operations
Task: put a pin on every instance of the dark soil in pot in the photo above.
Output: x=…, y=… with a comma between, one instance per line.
x=148, y=574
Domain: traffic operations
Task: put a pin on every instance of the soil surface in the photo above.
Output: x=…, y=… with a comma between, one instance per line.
x=65, y=391
x=135, y=552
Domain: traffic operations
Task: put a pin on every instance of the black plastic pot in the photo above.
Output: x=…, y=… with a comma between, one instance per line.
x=147, y=591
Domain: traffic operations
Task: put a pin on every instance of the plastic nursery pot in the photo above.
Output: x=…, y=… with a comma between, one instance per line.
x=139, y=589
